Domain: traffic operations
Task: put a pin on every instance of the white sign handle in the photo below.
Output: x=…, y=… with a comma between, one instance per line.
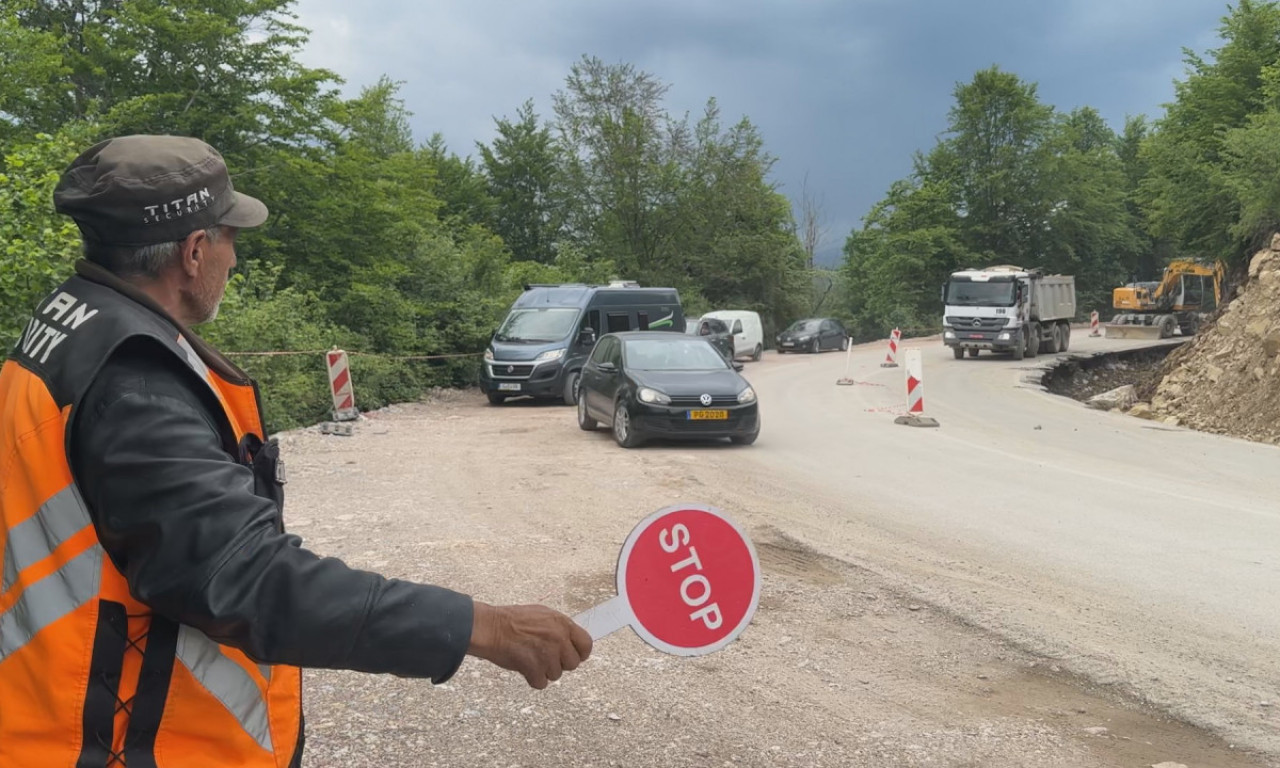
x=606, y=618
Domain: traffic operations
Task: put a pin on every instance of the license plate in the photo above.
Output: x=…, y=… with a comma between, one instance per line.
x=509, y=386
x=708, y=415
x=787, y=344
x=975, y=335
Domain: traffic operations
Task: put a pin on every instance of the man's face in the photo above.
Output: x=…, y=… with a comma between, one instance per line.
x=209, y=284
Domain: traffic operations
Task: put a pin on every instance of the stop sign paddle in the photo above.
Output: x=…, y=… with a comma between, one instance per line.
x=688, y=582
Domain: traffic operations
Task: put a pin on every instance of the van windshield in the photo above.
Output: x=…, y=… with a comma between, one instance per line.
x=541, y=325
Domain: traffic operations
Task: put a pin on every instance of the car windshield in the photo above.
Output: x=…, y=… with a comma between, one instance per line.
x=545, y=324
x=674, y=354
x=964, y=293
x=805, y=326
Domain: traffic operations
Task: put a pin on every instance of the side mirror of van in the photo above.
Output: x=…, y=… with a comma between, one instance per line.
x=587, y=337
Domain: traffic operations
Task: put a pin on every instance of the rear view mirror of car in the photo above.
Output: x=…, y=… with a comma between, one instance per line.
x=738, y=366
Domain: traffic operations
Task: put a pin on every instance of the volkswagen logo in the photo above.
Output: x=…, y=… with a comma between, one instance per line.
x=705, y=399
x=511, y=369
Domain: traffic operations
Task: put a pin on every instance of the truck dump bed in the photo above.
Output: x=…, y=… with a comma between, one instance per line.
x=1054, y=298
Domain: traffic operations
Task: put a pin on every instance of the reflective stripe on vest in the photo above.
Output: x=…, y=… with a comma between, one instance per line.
x=49, y=599
x=229, y=682
x=35, y=538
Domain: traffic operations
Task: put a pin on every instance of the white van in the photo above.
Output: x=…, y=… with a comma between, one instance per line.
x=748, y=332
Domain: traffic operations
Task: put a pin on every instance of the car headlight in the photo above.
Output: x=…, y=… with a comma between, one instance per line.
x=647, y=395
x=747, y=395
x=1004, y=336
x=488, y=355
x=550, y=354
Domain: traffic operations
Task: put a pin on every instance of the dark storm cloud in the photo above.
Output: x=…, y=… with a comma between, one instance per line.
x=842, y=91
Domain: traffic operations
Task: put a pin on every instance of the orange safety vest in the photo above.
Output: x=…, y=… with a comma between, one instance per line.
x=89, y=676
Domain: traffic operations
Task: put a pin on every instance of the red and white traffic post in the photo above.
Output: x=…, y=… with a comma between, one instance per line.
x=1093, y=323
x=344, y=398
x=891, y=357
x=915, y=393
x=688, y=583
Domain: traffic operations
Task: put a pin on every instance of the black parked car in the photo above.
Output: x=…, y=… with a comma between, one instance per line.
x=715, y=331
x=813, y=335
x=654, y=384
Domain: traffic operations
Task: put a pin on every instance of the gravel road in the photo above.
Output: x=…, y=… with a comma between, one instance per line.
x=866, y=648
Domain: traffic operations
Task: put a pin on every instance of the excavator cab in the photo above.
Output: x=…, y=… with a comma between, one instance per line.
x=1175, y=305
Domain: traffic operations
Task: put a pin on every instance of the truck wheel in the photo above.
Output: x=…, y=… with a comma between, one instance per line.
x=1055, y=341
x=1020, y=349
x=973, y=352
x=959, y=352
x=1032, y=336
x=1066, y=336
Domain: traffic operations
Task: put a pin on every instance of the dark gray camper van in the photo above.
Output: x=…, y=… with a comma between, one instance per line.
x=550, y=330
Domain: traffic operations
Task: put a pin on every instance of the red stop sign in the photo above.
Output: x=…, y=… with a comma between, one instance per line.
x=688, y=583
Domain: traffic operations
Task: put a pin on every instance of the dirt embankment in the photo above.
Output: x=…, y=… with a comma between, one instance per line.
x=1228, y=379
x=1083, y=379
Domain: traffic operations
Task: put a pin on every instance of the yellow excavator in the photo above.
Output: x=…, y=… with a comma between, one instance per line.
x=1177, y=304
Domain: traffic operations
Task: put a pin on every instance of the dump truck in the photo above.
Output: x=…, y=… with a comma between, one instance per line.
x=1008, y=309
x=1176, y=304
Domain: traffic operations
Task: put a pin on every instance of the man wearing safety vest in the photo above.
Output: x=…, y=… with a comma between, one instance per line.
x=153, y=610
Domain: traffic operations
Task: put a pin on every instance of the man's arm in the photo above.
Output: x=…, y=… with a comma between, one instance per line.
x=179, y=518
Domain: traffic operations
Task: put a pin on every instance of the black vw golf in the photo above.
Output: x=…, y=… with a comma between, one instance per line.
x=655, y=384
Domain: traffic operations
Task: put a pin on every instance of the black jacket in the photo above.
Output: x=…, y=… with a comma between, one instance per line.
x=179, y=516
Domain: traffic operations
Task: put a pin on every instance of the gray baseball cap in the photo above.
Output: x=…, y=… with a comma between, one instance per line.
x=143, y=190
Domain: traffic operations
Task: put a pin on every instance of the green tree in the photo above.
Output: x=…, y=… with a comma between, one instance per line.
x=521, y=167
x=1189, y=195
x=226, y=72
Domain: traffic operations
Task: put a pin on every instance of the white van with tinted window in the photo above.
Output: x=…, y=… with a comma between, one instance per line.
x=748, y=332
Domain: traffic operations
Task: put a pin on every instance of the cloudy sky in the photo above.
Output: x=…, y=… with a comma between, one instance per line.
x=843, y=91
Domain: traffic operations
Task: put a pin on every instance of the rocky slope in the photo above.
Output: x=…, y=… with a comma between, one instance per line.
x=1228, y=379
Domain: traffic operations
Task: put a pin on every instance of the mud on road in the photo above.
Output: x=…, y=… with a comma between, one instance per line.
x=841, y=666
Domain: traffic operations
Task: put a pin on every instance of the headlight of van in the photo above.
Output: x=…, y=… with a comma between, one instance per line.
x=549, y=355
x=747, y=395
x=647, y=395
x=488, y=355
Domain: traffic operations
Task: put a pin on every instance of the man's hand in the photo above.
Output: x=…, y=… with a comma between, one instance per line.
x=534, y=640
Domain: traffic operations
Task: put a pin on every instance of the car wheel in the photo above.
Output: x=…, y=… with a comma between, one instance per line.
x=496, y=399
x=570, y=393
x=623, y=433
x=844, y=343
x=815, y=347
x=585, y=422
x=756, y=355
x=744, y=439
